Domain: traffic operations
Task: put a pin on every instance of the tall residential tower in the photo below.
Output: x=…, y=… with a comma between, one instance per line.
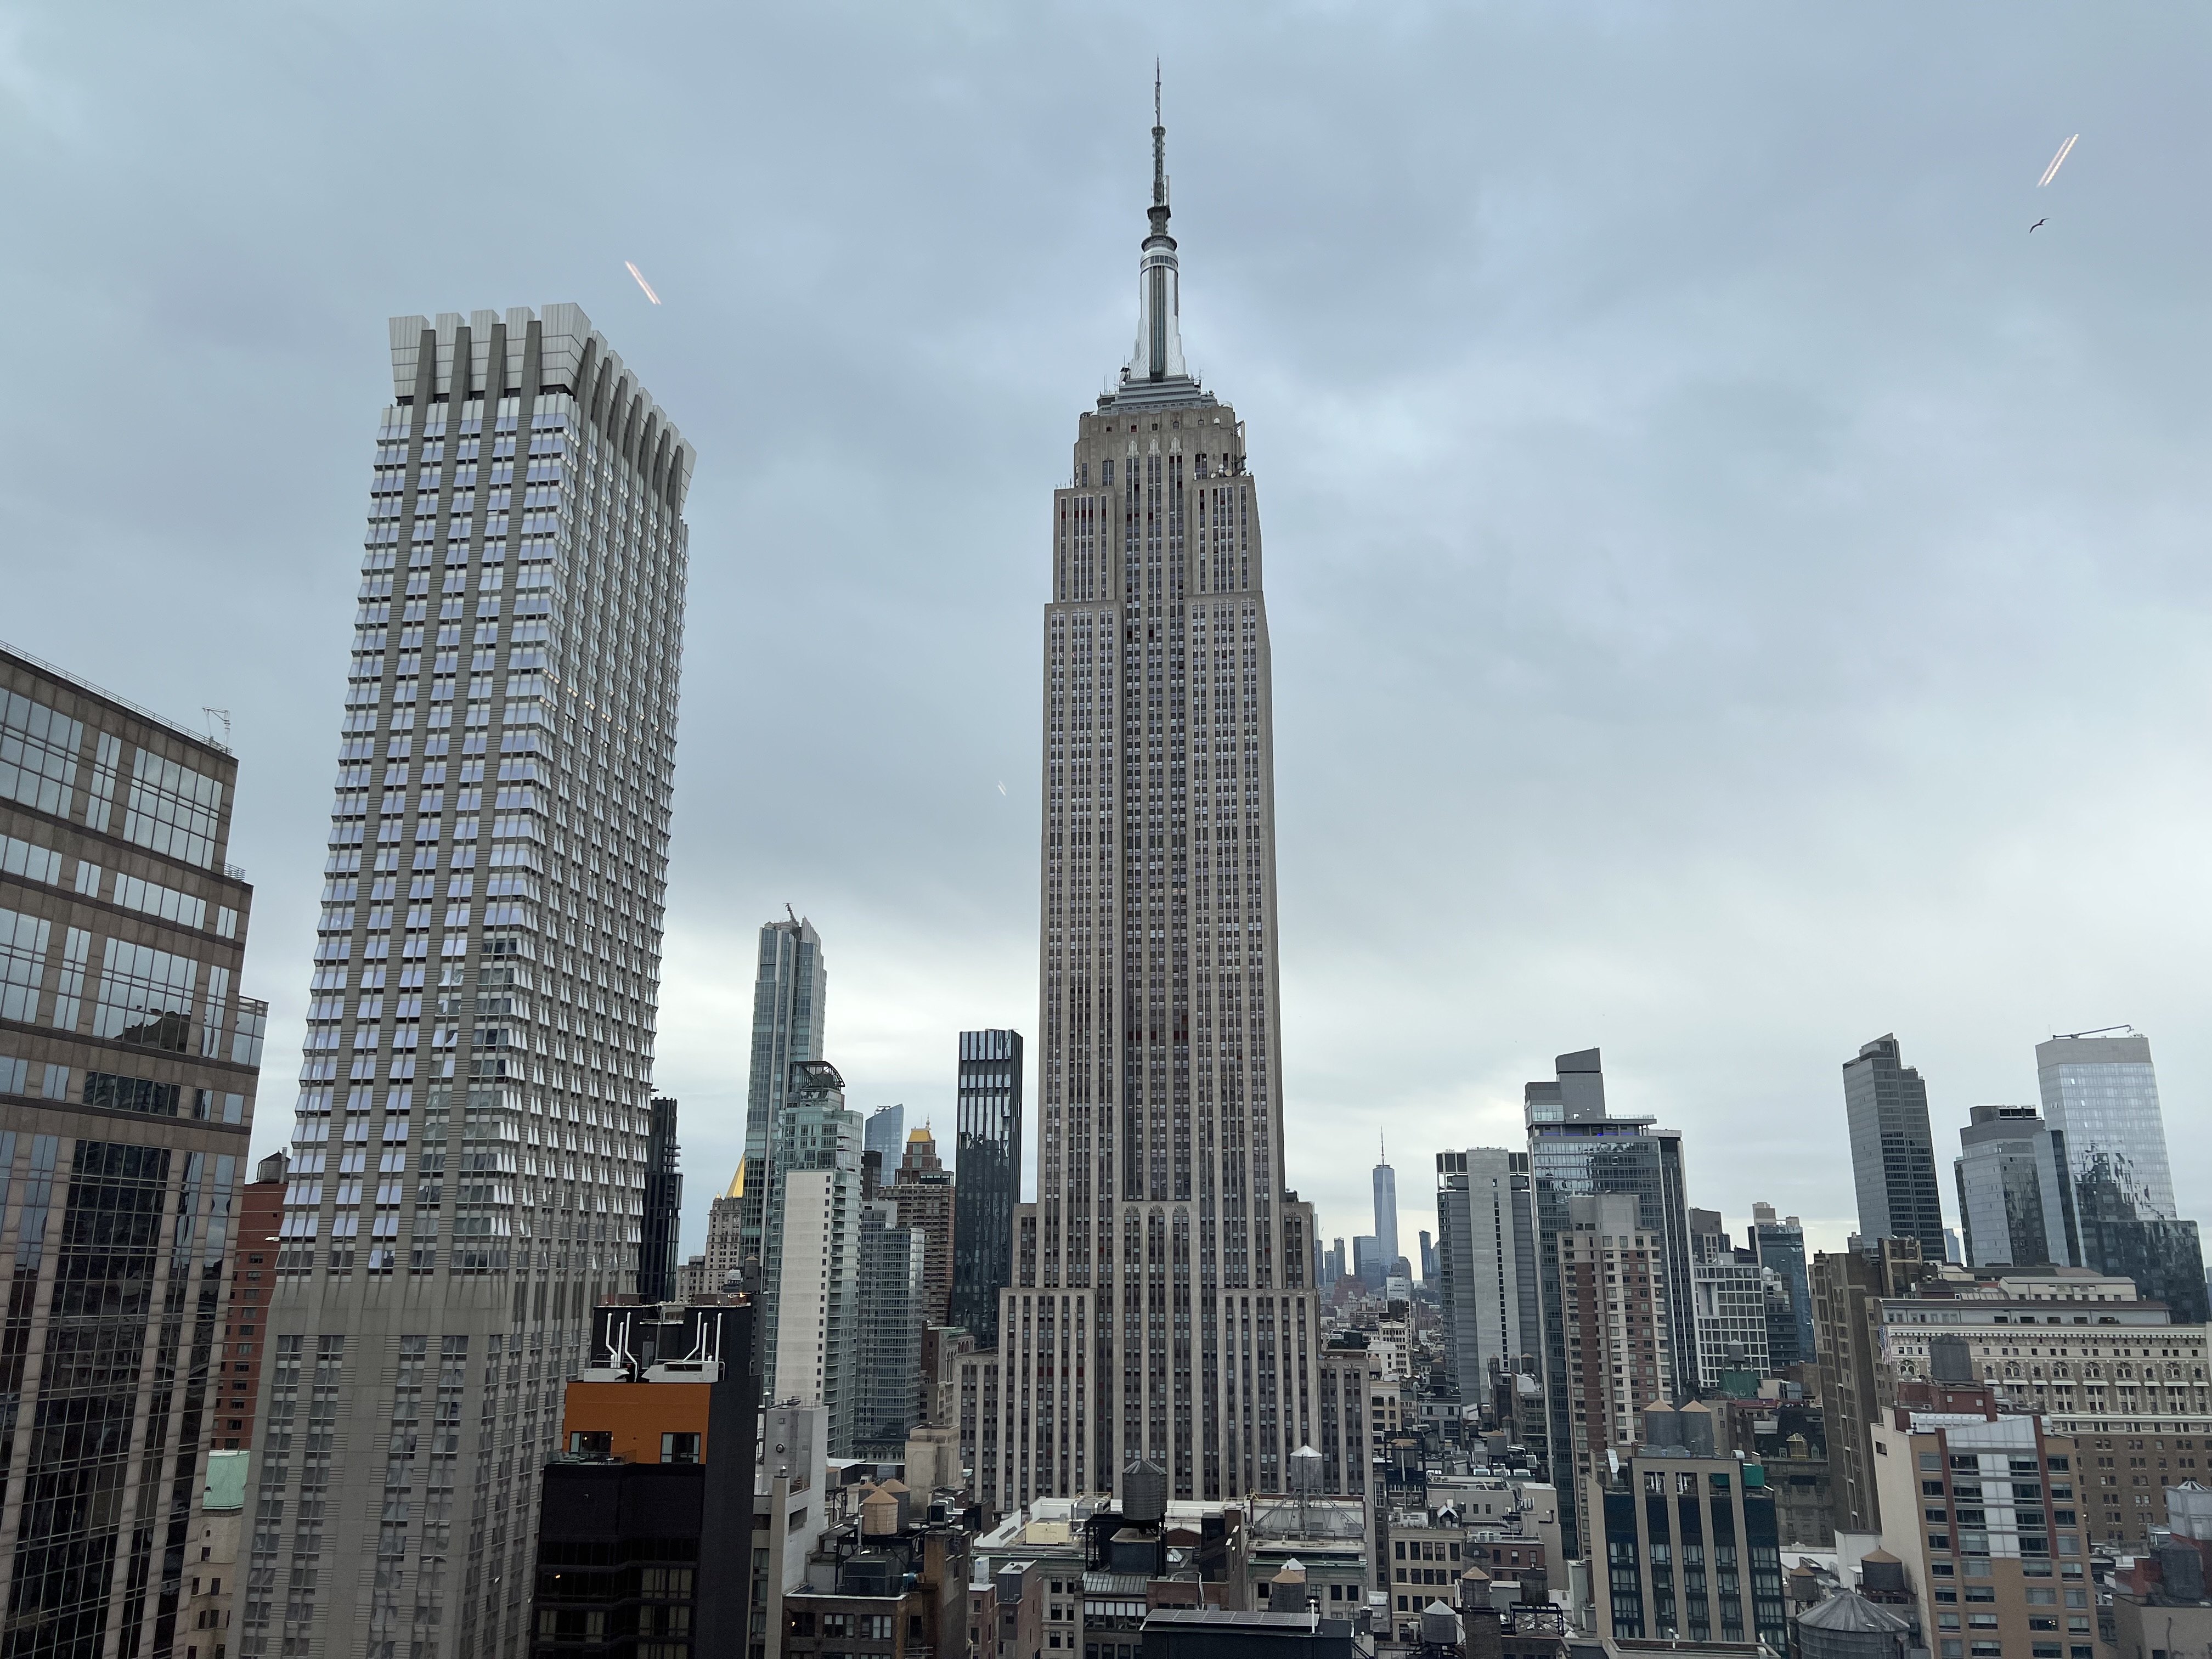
x=470, y=1153
x=1161, y=1309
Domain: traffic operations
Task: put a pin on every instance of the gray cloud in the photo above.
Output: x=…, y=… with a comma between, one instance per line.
x=1733, y=592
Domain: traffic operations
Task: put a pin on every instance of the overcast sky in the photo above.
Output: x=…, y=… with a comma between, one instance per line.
x=1736, y=591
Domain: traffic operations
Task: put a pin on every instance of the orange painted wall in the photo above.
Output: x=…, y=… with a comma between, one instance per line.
x=636, y=1415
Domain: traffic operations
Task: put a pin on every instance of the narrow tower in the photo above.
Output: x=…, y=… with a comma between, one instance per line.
x=470, y=1157
x=1161, y=1309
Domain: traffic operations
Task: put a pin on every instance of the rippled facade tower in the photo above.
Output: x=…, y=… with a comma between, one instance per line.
x=1163, y=1306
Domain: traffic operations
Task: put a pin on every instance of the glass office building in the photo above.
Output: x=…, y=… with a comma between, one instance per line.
x=128, y=1065
x=987, y=1175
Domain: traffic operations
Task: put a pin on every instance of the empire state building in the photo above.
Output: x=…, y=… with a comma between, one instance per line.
x=1163, y=1310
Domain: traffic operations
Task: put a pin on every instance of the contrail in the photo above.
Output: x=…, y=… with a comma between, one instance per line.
x=655, y=298
x=2049, y=173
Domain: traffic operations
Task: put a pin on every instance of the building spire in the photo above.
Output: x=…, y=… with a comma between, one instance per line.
x=1158, y=354
x=1159, y=145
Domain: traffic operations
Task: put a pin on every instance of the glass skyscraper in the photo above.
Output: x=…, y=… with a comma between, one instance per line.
x=2012, y=1202
x=1779, y=1244
x=2100, y=1099
x=473, y=1124
x=2100, y=1093
x=1892, y=1150
x=986, y=1179
x=128, y=1065
x=1162, y=1308
x=791, y=995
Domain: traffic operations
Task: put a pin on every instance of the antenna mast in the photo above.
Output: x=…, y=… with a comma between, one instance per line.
x=1159, y=144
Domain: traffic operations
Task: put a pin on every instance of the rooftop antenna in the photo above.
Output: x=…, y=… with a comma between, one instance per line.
x=214, y=714
x=1159, y=144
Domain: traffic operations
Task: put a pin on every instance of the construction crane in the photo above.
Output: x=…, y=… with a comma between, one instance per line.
x=2102, y=1030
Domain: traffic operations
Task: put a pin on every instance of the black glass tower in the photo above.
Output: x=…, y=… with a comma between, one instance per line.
x=987, y=1174
x=664, y=1208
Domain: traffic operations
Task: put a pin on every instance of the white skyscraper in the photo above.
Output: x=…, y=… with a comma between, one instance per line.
x=1162, y=1306
x=469, y=1157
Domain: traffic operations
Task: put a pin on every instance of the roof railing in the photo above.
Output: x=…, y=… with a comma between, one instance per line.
x=139, y=710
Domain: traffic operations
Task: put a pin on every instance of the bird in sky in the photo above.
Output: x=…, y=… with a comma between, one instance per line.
x=2037, y=226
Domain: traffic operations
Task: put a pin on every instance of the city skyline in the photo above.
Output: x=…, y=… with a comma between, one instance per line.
x=924, y=950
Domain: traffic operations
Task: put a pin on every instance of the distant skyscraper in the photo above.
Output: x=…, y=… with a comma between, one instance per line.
x=988, y=1179
x=1486, y=1266
x=1780, y=1246
x=1369, y=1265
x=1386, y=1211
x=885, y=1132
x=2012, y=1196
x=923, y=1189
x=1428, y=1259
x=1335, y=1264
x=2100, y=1094
x=1892, y=1151
x=1576, y=1146
x=128, y=1065
x=481, y=1026
x=664, y=1207
x=1160, y=1070
x=810, y=1273
x=889, y=1310
x=2101, y=1098
x=790, y=994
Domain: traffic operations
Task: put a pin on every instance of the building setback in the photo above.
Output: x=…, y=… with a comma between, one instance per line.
x=1162, y=1206
x=1892, y=1151
x=987, y=1167
x=128, y=1065
x=469, y=1152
